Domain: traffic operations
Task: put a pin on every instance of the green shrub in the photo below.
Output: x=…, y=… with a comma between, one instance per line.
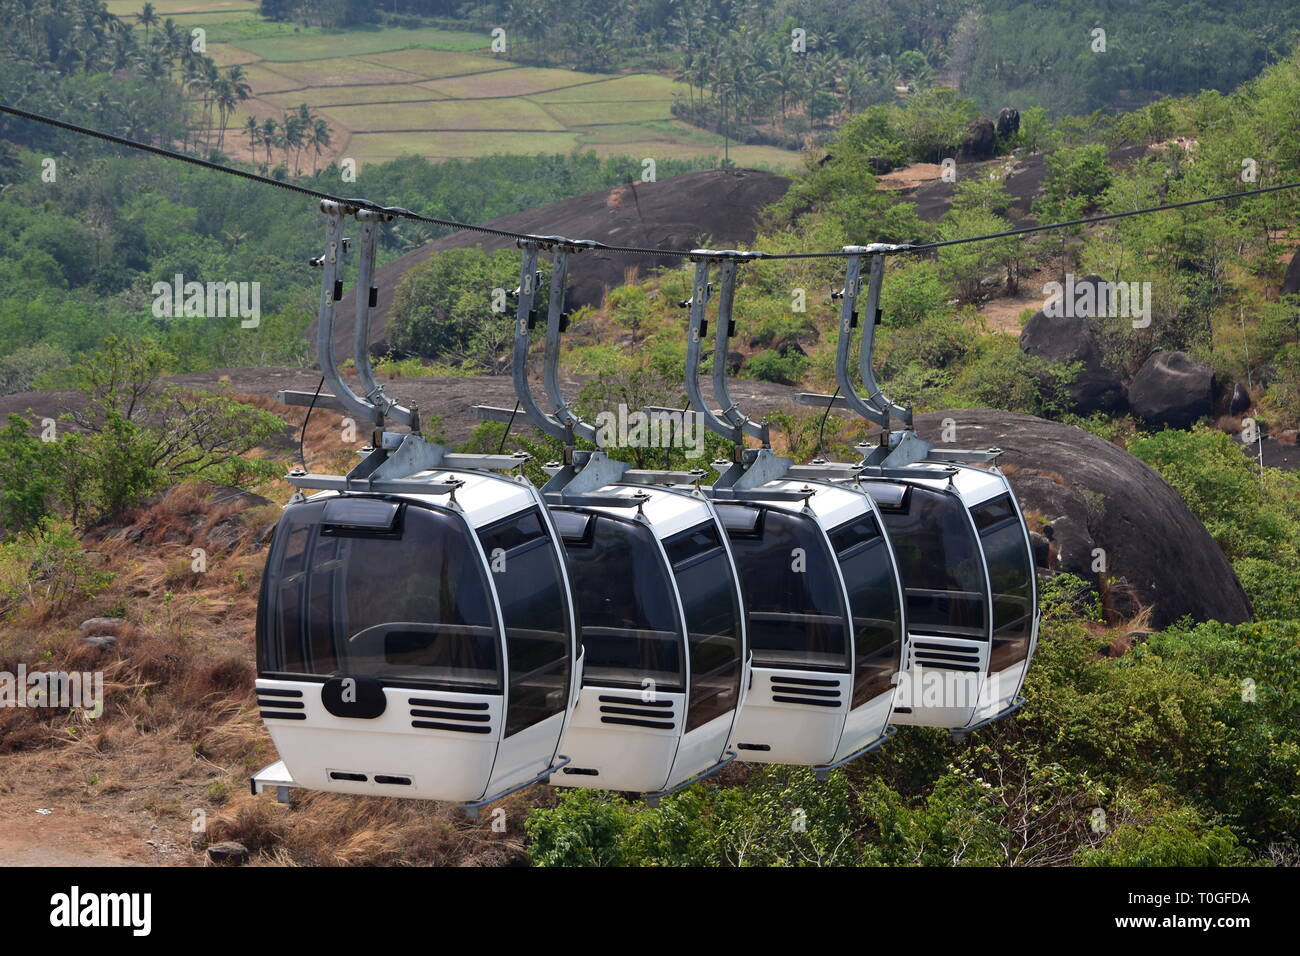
x=1274, y=590
x=1249, y=516
x=1178, y=836
x=1067, y=596
x=770, y=365
x=47, y=566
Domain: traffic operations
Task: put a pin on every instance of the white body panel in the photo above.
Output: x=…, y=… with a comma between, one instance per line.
x=441, y=764
x=793, y=721
x=624, y=757
x=938, y=696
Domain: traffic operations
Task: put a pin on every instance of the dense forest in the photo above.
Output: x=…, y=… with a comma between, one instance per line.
x=999, y=52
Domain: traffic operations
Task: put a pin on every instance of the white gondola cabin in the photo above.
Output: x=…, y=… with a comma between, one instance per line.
x=822, y=595
x=411, y=646
x=961, y=543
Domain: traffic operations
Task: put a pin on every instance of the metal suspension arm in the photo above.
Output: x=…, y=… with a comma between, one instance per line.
x=699, y=302
x=849, y=396
x=526, y=296
x=726, y=326
x=556, y=320
x=374, y=392
x=874, y=395
x=330, y=289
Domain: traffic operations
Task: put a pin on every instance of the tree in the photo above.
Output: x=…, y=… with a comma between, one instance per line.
x=147, y=18
x=320, y=140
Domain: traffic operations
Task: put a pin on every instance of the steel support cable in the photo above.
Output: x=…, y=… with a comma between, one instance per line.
x=398, y=212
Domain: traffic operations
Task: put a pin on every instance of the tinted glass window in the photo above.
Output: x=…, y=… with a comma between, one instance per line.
x=1011, y=576
x=873, y=598
x=939, y=561
x=534, y=609
x=792, y=593
x=627, y=615
x=409, y=605
x=704, y=579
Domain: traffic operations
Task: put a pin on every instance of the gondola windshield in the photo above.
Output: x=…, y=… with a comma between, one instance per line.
x=938, y=558
x=795, y=605
x=1010, y=575
x=534, y=608
x=399, y=595
x=704, y=580
x=626, y=612
x=873, y=599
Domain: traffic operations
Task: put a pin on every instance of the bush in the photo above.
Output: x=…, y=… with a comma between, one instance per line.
x=585, y=828
x=46, y=567
x=1000, y=375
x=770, y=365
x=1249, y=516
x=1068, y=596
x=443, y=310
x=1274, y=591
x=1174, y=837
x=136, y=437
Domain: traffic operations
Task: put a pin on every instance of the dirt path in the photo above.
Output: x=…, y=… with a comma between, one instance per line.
x=70, y=836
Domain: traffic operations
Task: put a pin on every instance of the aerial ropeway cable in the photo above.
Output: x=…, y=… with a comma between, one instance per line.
x=398, y=212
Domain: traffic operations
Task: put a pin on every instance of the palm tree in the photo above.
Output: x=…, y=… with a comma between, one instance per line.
x=320, y=140
x=292, y=139
x=227, y=102
x=239, y=82
x=270, y=129
x=253, y=130
x=147, y=18
x=173, y=40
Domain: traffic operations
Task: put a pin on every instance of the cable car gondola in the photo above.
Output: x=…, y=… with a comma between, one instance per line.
x=661, y=623
x=822, y=594
x=415, y=631
x=961, y=542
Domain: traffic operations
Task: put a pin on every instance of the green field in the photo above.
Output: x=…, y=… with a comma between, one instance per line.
x=311, y=46
x=341, y=71
x=498, y=115
x=326, y=96
x=389, y=92
x=171, y=8
x=520, y=81
x=379, y=147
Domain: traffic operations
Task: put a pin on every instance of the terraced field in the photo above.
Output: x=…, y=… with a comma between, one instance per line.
x=388, y=92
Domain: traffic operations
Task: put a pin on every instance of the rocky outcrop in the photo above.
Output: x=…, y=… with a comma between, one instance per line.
x=980, y=143
x=1291, y=281
x=1171, y=389
x=1008, y=122
x=1074, y=339
x=1104, y=505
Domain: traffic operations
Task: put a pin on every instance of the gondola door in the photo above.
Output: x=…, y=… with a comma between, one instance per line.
x=705, y=578
x=1004, y=539
x=946, y=585
x=871, y=579
x=536, y=608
